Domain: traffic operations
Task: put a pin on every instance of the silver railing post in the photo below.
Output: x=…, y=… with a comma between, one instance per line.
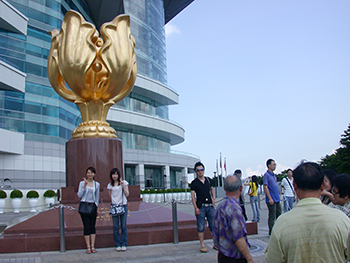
x=62, y=233
x=174, y=210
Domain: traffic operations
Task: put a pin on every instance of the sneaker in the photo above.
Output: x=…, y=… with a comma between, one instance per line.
x=123, y=248
x=118, y=249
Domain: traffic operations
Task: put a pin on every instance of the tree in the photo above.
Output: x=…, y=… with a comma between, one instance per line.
x=339, y=161
x=281, y=175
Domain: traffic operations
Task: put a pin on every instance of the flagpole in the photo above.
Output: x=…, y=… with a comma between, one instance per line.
x=225, y=167
x=221, y=169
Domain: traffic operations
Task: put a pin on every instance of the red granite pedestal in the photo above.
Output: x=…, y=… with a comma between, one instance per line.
x=101, y=153
x=147, y=224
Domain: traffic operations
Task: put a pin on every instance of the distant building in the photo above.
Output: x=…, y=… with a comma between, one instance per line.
x=35, y=123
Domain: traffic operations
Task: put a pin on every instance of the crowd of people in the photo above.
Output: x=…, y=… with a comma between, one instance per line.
x=315, y=225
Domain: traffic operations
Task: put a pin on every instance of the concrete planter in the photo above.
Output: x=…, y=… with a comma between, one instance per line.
x=152, y=198
x=145, y=197
x=2, y=205
x=49, y=201
x=16, y=204
x=33, y=202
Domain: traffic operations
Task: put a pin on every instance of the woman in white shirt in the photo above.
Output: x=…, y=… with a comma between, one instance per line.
x=89, y=192
x=119, y=192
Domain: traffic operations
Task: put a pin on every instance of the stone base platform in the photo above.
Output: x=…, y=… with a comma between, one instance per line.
x=147, y=224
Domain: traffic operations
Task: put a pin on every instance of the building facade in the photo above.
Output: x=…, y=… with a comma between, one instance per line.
x=35, y=123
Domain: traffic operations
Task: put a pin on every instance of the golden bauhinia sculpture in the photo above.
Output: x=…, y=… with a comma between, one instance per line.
x=99, y=71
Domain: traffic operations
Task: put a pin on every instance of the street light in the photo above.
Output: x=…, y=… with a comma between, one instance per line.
x=164, y=176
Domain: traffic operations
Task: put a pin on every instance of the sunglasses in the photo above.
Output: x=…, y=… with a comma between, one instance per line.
x=333, y=191
x=201, y=169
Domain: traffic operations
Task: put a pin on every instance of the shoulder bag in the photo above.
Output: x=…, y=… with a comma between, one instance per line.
x=86, y=208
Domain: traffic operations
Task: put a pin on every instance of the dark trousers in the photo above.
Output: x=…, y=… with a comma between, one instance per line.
x=241, y=201
x=275, y=211
x=223, y=259
x=89, y=223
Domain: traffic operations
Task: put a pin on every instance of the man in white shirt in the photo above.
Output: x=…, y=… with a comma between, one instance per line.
x=288, y=191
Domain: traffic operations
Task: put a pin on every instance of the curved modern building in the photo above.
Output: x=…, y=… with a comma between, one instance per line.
x=35, y=123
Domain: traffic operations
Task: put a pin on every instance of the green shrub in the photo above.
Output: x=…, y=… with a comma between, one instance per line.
x=50, y=193
x=16, y=194
x=152, y=191
x=32, y=194
x=3, y=194
x=146, y=191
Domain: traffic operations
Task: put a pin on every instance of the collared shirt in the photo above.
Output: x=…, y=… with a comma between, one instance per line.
x=229, y=226
x=202, y=190
x=344, y=208
x=271, y=181
x=310, y=232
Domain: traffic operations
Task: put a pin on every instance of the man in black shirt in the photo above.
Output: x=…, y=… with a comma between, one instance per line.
x=203, y=200
x=241, y=198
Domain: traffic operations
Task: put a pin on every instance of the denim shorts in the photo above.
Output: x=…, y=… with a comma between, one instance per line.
x=206, y=212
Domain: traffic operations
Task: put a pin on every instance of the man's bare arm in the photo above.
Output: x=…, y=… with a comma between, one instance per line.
x=242, y=246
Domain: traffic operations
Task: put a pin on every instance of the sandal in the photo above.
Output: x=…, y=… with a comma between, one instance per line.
x=203, y=250
x=88, y=251
x=93, y=250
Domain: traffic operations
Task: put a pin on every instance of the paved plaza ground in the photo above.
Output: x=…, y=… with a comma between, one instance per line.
x=169, y=252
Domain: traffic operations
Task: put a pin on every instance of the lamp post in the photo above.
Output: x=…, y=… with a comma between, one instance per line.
x=164, y=176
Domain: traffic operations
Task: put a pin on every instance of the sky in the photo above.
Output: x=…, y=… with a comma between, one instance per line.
x=259, y=80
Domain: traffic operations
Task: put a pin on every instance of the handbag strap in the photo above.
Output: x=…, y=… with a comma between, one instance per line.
x=122, y=195
x=95, y=191
x=291, y=187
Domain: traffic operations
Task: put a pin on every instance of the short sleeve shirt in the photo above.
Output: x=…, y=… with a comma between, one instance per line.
x=202, y=190
x=117, y=194
x=345, y=208
x=253, y=189
x=271, y=181
x=229, y=226
x=288, y=187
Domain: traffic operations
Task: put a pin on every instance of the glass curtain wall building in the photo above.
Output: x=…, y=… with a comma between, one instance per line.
x=36, y=123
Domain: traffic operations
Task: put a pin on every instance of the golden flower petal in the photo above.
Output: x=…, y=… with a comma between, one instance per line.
x=76, y=52
x=118, y=54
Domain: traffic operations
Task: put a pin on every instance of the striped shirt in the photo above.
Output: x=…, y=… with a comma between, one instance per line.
x=344, y=208
x=310, y=232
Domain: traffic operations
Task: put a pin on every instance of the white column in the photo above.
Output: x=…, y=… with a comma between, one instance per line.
x=184, y=177
x=140, y=175
x=166, y=171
